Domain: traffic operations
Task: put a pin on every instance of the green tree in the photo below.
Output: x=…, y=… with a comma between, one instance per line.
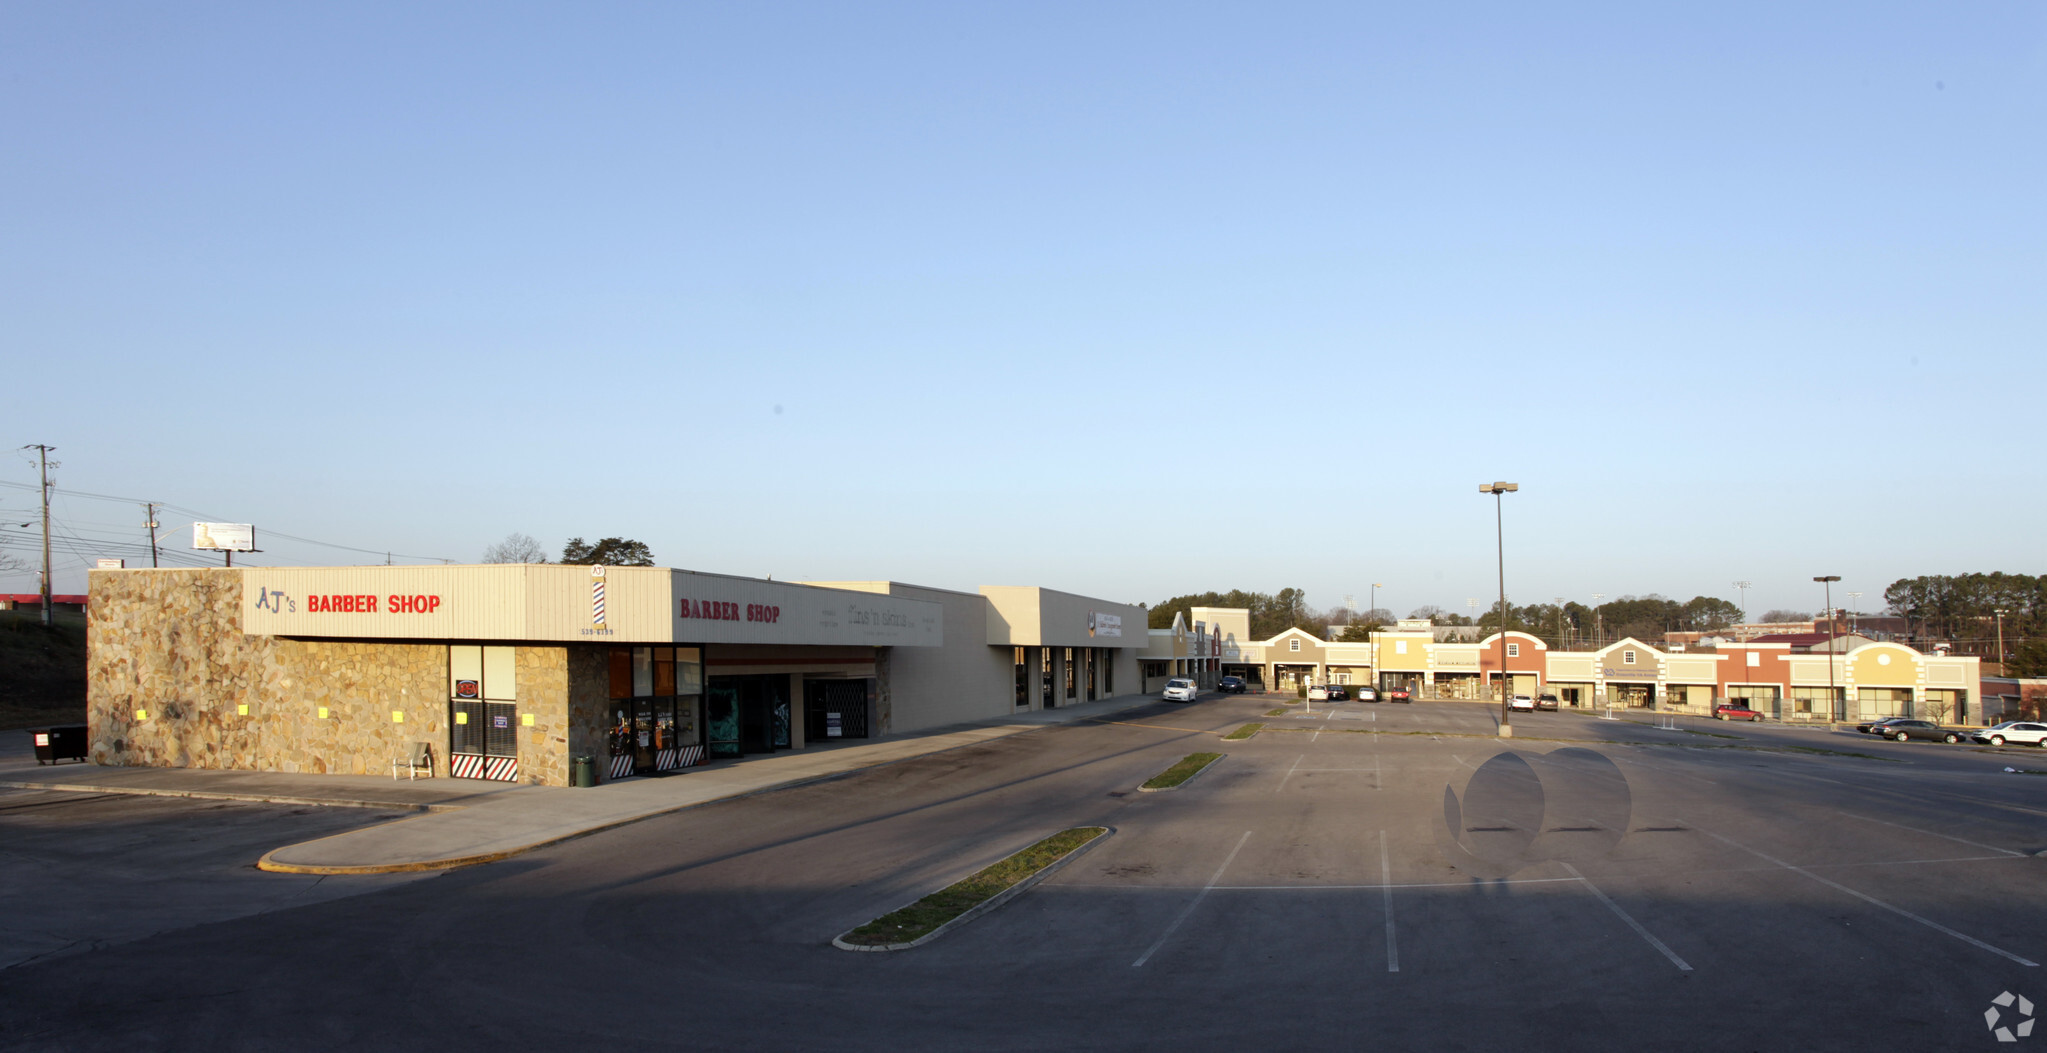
x=2028, y=659
x=1360, y=632
x=609, y=552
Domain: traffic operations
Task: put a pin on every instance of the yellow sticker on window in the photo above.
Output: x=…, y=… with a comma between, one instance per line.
x=526, y=719
x=461, y=718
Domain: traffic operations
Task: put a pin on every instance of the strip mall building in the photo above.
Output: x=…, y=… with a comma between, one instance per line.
x=1872, y=680
x=508, y=671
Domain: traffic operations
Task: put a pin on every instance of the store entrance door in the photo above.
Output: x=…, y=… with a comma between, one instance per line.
x=483, y=744
x=748, y=714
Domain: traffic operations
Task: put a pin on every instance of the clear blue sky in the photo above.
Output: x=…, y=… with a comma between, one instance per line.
x=1123, y=299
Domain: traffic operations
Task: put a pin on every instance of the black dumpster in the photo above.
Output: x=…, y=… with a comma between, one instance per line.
x=56, y=744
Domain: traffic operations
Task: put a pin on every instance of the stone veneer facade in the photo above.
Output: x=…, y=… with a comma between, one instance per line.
x=169, y=670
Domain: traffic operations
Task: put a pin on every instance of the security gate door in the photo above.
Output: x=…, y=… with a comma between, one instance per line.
x=483, y=718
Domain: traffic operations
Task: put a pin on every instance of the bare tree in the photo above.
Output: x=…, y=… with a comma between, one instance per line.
x=515, y=548
x=1936, y=709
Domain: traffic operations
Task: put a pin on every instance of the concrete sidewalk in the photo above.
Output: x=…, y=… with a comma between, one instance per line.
x=464, y=821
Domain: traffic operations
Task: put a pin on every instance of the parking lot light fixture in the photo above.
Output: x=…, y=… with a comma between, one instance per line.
x=1500, y=539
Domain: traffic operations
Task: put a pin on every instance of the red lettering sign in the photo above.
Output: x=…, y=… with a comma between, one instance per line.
x=722, y=611
x=331, y=604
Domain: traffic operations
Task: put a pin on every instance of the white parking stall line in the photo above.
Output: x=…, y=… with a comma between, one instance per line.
x=1198, y=897
x=1626, y=917
x=1386, y=890
x=1929, y=833
x=1871, y=900
x=1289, y=773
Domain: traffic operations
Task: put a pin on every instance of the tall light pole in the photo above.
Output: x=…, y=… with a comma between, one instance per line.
x=1598, y=622
x=1498, y=490
x=1840, y=704
x=2000, y=612
x=1374, y=609
x=1743, y=587
x=1854, y=602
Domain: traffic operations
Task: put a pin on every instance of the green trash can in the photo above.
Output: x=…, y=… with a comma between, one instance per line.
x=582, y=771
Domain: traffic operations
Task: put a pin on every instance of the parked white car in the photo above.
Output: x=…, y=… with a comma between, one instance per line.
x=2015, y=731
x=1521, y=702
x=1180, y=689
x=1318, y=693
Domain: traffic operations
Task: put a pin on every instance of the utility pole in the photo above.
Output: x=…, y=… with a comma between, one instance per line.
x=2000, y=612
x=1840, y=704
x=43, y=459
x=1744, y=586
x=1598, y=622
x=150, y=508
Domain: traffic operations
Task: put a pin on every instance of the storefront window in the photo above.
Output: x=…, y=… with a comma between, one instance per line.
x=1022, y=679
x=656, y=709
x=1108, y=673
x=1071, y=683
x=1045, y=659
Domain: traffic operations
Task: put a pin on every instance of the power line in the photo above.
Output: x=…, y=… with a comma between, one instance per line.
x=209, y=518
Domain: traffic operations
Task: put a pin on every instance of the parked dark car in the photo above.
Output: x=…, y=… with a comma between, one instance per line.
x=1906, y=730
x=1338, y=693
x=1397, y=694
x=1546, y=701
x=1875, y=727
x=1731, y=711
x=1231, y=685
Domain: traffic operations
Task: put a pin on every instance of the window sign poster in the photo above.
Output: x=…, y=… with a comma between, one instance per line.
x=834, y=726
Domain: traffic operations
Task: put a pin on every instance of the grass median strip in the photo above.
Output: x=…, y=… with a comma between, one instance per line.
x=911, y=925
x=1244, y=732
x=1189, y=767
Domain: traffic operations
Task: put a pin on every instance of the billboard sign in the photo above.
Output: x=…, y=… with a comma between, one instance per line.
x=228, y=537
x=1100, y=624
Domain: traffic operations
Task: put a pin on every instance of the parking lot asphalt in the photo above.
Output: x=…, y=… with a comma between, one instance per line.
x=1383, y=876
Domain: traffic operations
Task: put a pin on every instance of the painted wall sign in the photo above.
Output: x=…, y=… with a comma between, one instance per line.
x=554, y=602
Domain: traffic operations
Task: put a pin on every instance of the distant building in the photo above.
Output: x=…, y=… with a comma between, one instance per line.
x=33, y=601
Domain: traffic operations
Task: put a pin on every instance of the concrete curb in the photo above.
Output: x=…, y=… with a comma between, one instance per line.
x=273, y=865
x=980, y=908
x=215, y=795
x=1218, y=759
